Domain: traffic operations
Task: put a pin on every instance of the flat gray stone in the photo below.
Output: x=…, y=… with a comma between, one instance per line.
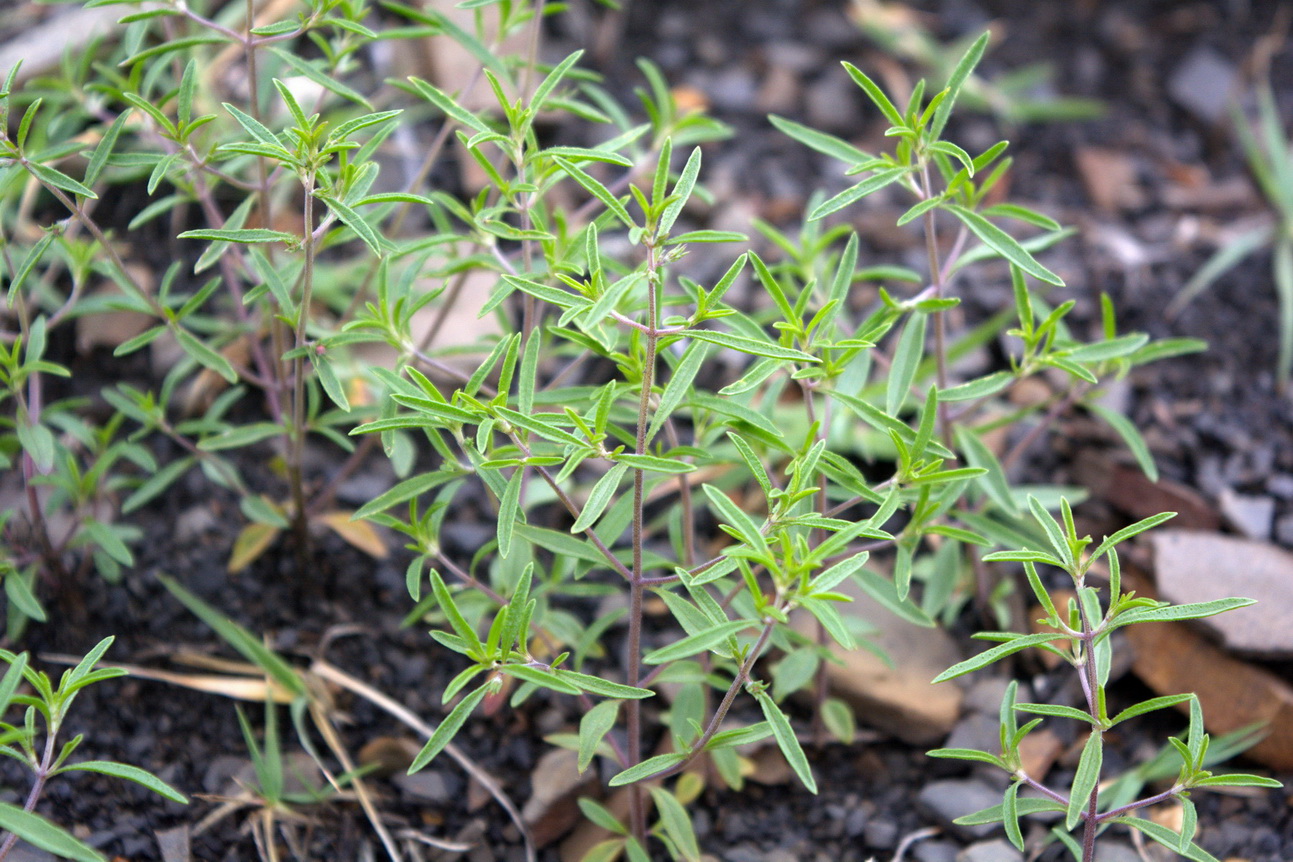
x=1192, y=566
x=1113, y=851
x=999, y=850
x=947, y=800
x=1202, y=84
x=1250, y=514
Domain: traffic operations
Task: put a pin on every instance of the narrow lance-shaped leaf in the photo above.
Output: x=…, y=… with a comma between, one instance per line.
x=448, y=728
x=1004, y=244
x=597, y=190
x=786, y=740
x=678, y=386
x=1086, y=778
x=955, y=81
x=130, y=773
x=1131, y=436
x=594, y=725
x=599, y=498
x=677, y=824
x=46, y=835
x=696, y=643
x=906, y=359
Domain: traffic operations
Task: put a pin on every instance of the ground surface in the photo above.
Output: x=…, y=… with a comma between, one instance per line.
x=1216, y=423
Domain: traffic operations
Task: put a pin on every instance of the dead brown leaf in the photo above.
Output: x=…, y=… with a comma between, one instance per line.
x=361, y=534
x=253, y=540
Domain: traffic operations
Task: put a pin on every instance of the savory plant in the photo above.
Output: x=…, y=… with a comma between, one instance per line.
x=1080, y=634
x=727, y=444
x=46, y=758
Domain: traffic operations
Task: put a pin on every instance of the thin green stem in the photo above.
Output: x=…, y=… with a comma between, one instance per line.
x=637, y=801
x=296, y=459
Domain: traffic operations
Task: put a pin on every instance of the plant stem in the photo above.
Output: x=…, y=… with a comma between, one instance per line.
x=41, y=774
x=296, y=456
x=742, y=677
x=1090, y=686
x=637, y=802
x=940, y=323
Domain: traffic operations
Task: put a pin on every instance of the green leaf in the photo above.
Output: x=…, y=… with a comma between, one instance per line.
x=106, y=144
x=987, y=657
x=955, y=81
x=599, y=498
x=1131, y=436
x=546, y=292
x=157, y=483
x=594, y=725
x=448, y=729
x=357, y=223
x=241, y=435
x=699, y=642
x=603, y=687
x=1010, y=815
x=38, y=442
x=876, y=95
x=1004, y=244
x=456, y=620
x=1127, y=532
x=868, y=186
x=678, y=386
x=108, y=539
x=836, y=148
x=994, y=813
x=677, y=825
x=786, y=740
x=1023, y=214
x=446, y=104
x=906, y=360
x=20, y=595
x=597, y=190
x=60, y=180
x=993, y=482
x=753, y=346
x=240, y=639
x=647, y=768
x=601, y=816
x=735, y=517
x=509, y=511
x=243, y=235
x=402, y=493
x=982, y=387
x=839, y=720
x=205, y=355
x=1167, y=837
x=1055, y=710
x=1173, y=613
x=655, y=464
x=966, y=754
x=681, y=191
x=314, y=74
x=38, y=831
x=1236, y=779
x=254, y=127
x=1086, y=778
x=130, y=773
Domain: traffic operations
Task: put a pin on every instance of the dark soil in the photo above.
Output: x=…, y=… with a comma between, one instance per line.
x=1215, y=420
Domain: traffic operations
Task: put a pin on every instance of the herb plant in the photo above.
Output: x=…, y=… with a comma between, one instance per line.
x=1081, y=635
x=728, y=444
x=46, y=758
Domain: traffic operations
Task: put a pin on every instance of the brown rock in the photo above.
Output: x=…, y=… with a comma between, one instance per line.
x=1171, y=658
x=898, y=700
